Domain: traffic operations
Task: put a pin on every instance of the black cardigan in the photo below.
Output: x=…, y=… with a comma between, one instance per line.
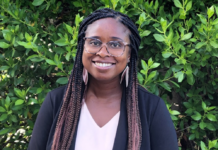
x=158, y=132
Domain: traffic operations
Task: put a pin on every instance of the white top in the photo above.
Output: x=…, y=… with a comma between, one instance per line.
x=92, y=137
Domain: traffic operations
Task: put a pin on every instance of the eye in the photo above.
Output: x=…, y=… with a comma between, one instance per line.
x=95, y=43
x=115, y=44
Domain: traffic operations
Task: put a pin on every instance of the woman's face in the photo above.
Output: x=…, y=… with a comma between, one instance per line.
x=101, y=65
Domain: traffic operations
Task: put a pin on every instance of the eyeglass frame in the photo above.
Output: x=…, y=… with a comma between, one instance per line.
x=124, y=43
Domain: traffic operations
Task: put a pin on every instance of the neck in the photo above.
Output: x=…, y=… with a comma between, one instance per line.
x=104, y=91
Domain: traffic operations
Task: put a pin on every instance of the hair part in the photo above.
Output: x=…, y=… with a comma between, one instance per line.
x=72, y=101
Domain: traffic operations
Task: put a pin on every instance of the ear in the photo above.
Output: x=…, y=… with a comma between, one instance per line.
x=129, y=56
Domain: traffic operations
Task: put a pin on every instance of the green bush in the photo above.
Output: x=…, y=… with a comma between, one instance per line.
x=178, y=61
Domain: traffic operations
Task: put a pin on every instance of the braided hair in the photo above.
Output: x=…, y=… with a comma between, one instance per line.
x=72, y=100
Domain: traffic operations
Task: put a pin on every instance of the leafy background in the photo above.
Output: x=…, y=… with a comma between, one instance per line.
x=178, y=61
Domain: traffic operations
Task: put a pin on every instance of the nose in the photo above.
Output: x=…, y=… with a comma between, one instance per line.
x=103, y=52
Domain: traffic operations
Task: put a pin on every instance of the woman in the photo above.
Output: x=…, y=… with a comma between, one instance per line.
x=103, y=107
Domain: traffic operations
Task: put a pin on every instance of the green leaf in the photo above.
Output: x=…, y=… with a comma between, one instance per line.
x=211, y=117
x=215, y=21
x=163, y=24
x=62, y=80
x=166, y=54
x=211, y=108
x=35, y=38
x=4, y=45
x=4, y=67
x=203, y=146
x=173, y=117
x=142, y=18
x=19, y=93
x=214, y=44
x=174, y=112
x=77, y=4
x=211, y=127
x=159, y=37
x=2, y=109
x=186, y=36
x=69, y=29
x=168, y=73
x=151, y=75
x=177, y=85
x=180, y=76
x=189, y=6
x=144, y=65
x=190, y=79
x=16, y=28
x=3, y=117
x=202, y=125
x=62, y=42
x=177, y=3
x=196, y=116
x=165, y=86
x=28, y=37
x=191, y=137
x=7, y=35
x=51, y=62
x=19, y=102
x=37, y=59
x=210, y=12
x=7, y=101
x=150, y=62
x=212, y=143
x=37, y=2
x=200, y=44
x=32, y=101
x=68, y=56
x=4, y=131
x=140, y=78
x=154, y=65
x=32, y=56
x=203, y=19
x=77, y=20
x=25, y=44
x=194, y=126
x=13, y=118
x=187, y=104
x=145, y=33
x=176, y=68
x=204, y=106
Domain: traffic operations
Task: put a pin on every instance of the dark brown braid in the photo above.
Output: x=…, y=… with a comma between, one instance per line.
x=70, y=109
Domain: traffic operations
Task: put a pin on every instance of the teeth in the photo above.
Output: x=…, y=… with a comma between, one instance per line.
x=103, y=64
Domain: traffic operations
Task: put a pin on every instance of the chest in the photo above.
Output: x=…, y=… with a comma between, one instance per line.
x=91, y=136
x=102, y=113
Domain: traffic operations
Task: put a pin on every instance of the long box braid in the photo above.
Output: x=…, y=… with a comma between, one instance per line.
x=72, y=101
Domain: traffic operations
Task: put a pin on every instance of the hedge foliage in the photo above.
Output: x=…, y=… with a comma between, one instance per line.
x=178, y=61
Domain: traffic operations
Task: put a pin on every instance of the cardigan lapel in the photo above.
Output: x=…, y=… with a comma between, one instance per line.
x=120, y=142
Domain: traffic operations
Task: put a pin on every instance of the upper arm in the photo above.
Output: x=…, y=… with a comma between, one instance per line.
x=162, y=130
x=42, y=125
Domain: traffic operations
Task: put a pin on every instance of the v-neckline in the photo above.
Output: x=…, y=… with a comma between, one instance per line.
x=93, y=121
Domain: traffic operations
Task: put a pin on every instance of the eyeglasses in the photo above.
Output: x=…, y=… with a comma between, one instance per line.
x=114, y=48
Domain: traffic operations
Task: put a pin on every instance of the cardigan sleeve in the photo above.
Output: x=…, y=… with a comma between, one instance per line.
x=42, y=125
x=162, y=130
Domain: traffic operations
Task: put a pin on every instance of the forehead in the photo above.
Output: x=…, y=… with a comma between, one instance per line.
x=107, y=28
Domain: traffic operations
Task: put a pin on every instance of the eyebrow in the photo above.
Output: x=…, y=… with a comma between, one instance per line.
x=113, y=37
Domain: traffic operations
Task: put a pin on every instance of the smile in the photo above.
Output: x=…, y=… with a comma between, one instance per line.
x=103, y=64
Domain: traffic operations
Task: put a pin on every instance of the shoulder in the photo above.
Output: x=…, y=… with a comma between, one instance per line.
x=147, y=97
x=58, y=91
x=149, y=103
x=56, y=97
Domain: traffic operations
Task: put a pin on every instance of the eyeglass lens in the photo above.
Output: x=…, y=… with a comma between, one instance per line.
x=115, y=48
